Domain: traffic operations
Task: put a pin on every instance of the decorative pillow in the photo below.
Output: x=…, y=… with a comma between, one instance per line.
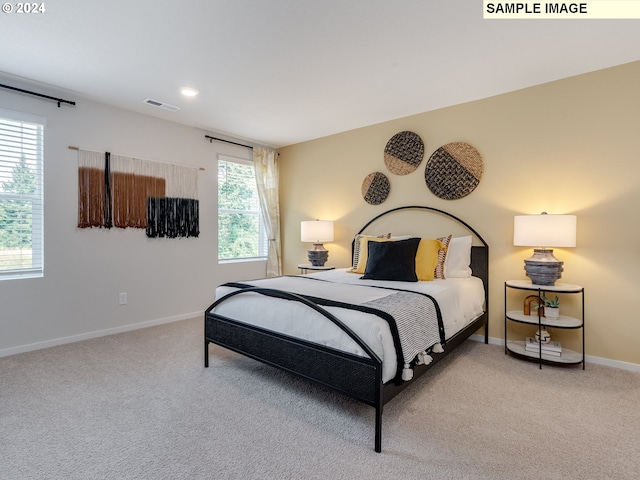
x=442, y=257
x=364, y=251
x=356, y=247
x=458, y=258
x=401, y=237
x=392, y=261
x=427, y=258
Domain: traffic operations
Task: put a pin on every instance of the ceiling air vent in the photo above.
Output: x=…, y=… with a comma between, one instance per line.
x=166, y=106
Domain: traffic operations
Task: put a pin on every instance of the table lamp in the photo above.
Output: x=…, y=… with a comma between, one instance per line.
x=317, y=232
x=544, y=231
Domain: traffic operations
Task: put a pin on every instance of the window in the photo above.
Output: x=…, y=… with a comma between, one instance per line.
x=21, y=195
x=241, y=230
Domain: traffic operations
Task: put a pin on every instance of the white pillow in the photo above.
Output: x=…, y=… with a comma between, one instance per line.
x=458, y=258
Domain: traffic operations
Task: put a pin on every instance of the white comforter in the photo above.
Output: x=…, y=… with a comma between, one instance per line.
x=460, y=301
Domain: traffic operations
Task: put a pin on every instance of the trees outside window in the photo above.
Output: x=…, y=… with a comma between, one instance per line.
x=241, y=231
x=16, y=212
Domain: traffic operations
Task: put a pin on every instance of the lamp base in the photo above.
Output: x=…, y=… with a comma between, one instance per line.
x=543, y=268
x=318, y=255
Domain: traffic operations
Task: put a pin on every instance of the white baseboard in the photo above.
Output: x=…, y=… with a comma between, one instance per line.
x=633, y=367
x=98, y=333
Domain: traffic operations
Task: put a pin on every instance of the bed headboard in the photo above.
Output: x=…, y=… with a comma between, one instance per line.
x=429, y=222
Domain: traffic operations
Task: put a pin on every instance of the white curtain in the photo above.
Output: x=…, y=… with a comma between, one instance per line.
x=265, y=162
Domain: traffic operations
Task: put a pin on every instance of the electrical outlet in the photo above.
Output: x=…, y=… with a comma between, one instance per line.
x=122, y=298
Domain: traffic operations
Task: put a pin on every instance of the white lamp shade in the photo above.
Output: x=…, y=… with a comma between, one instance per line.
x=316, y=231
x=544, y=230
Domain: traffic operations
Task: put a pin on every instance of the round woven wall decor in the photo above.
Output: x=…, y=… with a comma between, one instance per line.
x=403, y=153
x=375, y=188
x=454, y=171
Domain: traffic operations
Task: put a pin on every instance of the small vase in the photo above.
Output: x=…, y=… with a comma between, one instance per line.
x=552, y=313
x=542, y=336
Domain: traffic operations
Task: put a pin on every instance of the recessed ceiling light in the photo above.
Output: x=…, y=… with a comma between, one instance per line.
x=189, y=92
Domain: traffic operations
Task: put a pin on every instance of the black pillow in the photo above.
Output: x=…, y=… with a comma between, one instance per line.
x=392, y=261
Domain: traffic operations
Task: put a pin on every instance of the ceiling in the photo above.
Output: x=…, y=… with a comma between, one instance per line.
x=279, y=72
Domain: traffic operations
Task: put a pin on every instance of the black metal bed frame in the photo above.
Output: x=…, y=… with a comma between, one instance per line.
x=355, y=376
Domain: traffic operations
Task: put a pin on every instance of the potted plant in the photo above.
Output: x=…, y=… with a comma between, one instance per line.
x=551, y=307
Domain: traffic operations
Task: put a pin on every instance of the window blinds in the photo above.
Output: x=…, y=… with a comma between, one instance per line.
x=21, y=195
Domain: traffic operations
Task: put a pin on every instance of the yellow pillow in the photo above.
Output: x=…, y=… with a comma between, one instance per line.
x=364, y=252
x=427, y=258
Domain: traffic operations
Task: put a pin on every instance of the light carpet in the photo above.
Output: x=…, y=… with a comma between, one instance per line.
x=140, y=405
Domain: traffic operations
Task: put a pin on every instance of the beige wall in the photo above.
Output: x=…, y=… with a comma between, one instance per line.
x=565, y=147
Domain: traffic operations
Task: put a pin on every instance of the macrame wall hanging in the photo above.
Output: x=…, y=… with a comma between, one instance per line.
x=128, y=192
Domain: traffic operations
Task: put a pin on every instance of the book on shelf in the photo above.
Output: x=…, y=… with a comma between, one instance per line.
x=550, y=348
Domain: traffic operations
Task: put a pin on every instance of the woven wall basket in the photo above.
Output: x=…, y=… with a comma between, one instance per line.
x=403, y=153
x=454, y=171
x=375, y=188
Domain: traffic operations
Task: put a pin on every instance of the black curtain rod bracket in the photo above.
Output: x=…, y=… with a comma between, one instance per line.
x=59, y=100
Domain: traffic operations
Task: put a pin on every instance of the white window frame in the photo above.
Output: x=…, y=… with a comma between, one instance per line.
x=10, y=155
x=263, y=239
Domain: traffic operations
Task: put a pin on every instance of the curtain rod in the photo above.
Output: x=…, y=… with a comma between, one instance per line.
x=211, y=139
x=73, y=147
x=59, y=100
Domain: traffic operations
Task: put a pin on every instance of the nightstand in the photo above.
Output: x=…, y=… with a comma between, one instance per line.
x=304, y=268
x=518, y=348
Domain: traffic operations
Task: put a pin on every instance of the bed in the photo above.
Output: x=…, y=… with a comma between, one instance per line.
x=370, y=330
